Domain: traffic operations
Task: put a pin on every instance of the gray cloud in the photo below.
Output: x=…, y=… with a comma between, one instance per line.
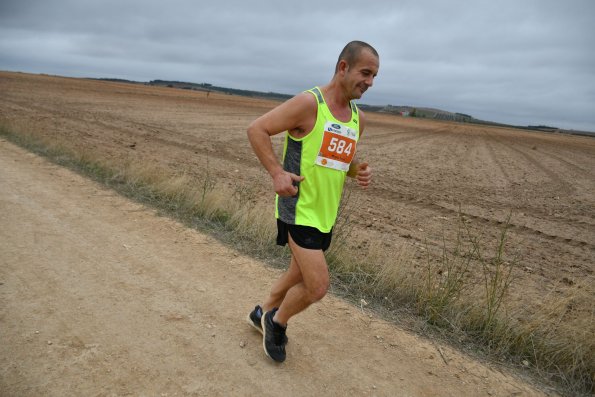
x=525, y=62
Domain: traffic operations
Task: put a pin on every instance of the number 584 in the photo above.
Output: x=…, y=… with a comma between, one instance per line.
x=340, y=146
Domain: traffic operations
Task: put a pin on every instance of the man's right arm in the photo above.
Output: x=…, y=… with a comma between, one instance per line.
x=297, y=113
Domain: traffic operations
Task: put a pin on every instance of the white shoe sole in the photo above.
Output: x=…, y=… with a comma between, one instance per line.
x=264, y=336
x=254, y=326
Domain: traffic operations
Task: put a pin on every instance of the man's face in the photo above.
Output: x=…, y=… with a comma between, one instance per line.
x=360, y=76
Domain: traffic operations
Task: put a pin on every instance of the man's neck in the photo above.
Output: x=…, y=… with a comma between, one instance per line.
x=333, y=92
x=336, y=98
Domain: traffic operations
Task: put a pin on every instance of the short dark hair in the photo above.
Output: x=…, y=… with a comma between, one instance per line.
x=351, y=52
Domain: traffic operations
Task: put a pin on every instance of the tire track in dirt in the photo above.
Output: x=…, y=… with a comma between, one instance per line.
x=488, y=158
x=535, y=162
x=496, y=159
x=411, y=199
x=394, y=138
x=566, y=162
x=577, y=217
x=152, y=132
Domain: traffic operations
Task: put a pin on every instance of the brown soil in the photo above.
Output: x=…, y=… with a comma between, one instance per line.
x=423, y=172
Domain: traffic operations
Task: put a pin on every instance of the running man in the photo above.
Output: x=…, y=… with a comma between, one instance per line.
x=323, y=127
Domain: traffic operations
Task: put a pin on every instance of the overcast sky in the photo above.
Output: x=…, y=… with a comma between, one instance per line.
x=522, y=62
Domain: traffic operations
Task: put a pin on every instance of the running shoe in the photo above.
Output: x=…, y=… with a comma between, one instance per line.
x=254, y=320
x=273, y=339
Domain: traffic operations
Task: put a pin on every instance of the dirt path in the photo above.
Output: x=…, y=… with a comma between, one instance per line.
x=100, y=296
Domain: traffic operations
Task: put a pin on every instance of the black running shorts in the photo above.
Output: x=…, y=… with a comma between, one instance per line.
x=304, y=236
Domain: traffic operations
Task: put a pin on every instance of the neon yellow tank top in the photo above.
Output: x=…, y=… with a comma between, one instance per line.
x=322, y=157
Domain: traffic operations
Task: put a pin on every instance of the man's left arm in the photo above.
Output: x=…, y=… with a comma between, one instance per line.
x=361, y=171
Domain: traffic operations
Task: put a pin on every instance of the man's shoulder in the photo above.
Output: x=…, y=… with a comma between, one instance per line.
x=302, y=102
x=307, y=98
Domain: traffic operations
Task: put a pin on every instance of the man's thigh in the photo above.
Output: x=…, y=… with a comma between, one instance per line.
x=312, y=263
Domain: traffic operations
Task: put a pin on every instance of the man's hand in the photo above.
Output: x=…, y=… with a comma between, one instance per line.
x=283, y=183
x=363, y=175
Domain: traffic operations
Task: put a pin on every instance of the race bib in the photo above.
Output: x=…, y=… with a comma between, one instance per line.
x=338, y=147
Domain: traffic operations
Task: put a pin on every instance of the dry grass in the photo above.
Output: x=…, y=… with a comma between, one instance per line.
x=464, y=290
x=461, y=290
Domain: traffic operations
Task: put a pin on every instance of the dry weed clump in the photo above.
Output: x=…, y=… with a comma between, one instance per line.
x=463, y=289
x=561, y=334
x=254, y=223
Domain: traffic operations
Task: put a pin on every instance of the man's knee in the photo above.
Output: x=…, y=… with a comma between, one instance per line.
x=318, y=290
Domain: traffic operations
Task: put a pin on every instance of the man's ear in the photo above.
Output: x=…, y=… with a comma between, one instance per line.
x=343, y=66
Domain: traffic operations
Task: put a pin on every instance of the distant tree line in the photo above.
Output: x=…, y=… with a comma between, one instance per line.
x=210, y=87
